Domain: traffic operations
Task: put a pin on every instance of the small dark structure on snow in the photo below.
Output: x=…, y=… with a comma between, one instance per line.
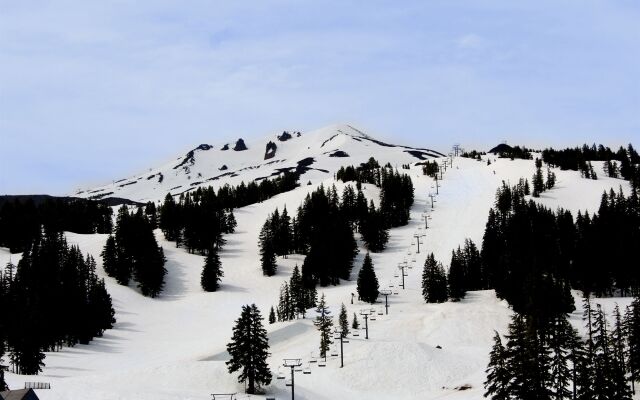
x=21, y=394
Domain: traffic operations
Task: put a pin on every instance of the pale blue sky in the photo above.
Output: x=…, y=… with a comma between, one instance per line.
x=97, y=90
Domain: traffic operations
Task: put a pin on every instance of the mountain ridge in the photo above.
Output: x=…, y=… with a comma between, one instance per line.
x=315, y=154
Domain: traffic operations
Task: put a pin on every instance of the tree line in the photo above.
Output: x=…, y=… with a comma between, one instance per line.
x=295, y=299
x=133, y=253
x=52, y=298
x=465, y=274
x=198, y=219
x=21, y=220
x=323, y=229
x=533, y=257
x=627, y=161
x=396, y=189
x=547, y=359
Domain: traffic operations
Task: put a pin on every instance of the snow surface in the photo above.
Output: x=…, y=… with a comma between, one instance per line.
x=174, y=346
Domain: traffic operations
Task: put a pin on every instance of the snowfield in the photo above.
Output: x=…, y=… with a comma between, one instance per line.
x=174, y=347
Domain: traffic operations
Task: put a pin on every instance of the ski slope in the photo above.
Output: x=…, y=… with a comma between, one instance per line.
x=174, y=346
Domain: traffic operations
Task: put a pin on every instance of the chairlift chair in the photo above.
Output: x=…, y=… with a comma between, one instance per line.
x=322, y=363
x=280, y=374
x=356, y=333
x=288, y=382
x=307, y=370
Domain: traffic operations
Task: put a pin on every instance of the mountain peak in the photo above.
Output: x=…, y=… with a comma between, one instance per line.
x=316, y=154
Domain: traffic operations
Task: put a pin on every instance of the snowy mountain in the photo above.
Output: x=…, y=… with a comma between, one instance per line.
x=316, y=154
x=175, y=346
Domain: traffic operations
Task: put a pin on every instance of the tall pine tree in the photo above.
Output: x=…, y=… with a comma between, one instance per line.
x=434, y=281
x=249, y=350
x=211, y=272
x=324, y=323
x=367, y=281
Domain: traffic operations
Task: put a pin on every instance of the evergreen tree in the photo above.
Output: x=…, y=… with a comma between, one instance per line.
x=267, y=250
x=355, y=324
x=272, y=316
x=561, y=344
x=249, y=350
x=475, y=279
x=110, y=257
x=170, y=219
x=373, y=230
x=457, y=276
x=285, y=306
x=520, y=360
x=284, y=234
x=538, y=182
x=343, y=321
x=632, y=324
x=151, y=214
x=324, y=323
x=297, y=292
x=367, y=282
x=434, y=281
x=211, y=272
x=498, y=372
x=617, y=348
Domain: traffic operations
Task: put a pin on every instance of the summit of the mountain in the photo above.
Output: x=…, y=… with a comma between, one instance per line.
x=316, y=154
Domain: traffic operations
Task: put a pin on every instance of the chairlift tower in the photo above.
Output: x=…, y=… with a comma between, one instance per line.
x=431, y=195
x=365, y=314
x=292, y=363
x=456, y=149
x=401, y=267
x=418, y=236
x=426, y=219
x=338, y=336
x=386, y=293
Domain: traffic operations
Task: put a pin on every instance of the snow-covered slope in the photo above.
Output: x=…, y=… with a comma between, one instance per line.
x=318, y=154
x=174, y=346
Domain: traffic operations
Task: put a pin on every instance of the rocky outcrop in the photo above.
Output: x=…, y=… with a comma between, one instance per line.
x=240, y=146
x=270, y=151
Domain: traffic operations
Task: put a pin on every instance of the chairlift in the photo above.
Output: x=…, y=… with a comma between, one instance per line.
x=280, y=374
x=307, y=370
x=288, y=382
x=356, y=334
x=395, y=292
x=322, y=363
x=372, y=317
x=380, y=312
x=298, y=369
x=396, y=275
